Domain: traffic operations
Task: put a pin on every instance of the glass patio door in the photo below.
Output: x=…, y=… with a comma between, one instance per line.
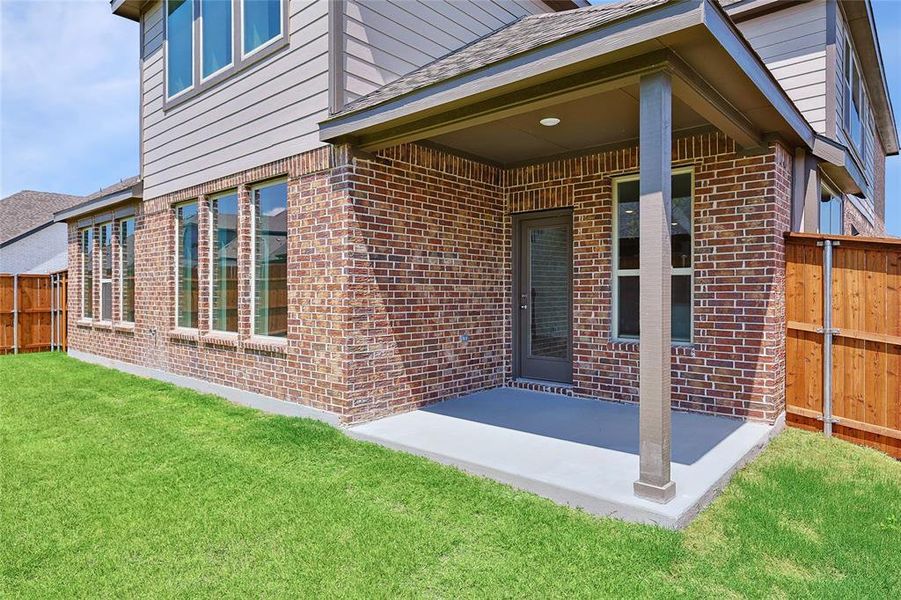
x=544, y=296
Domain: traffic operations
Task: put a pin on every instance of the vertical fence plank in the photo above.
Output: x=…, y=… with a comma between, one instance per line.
x=866, y=311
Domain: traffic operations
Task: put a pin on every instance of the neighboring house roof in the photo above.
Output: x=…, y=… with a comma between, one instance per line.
x=28, y=211
x=520, y=36
x=129, y=188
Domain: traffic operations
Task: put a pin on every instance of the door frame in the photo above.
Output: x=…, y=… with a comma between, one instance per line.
x=516, y=283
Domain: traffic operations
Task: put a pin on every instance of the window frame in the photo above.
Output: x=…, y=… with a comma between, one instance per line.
x=853, y=64
x=194, y=46
x=87, y=248
x=266, y=44
x=121, y=262
x=834, y=197
x=231, y=31
x=253, y=256
x=240, y=61
x=211, y=236
x=175, y=265
x=112, y=260
x=616, y=272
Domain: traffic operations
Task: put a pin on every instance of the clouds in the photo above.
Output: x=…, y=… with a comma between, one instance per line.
x=68, y=95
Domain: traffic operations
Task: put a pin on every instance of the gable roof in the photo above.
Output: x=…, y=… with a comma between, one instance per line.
x=29, y=210
x=527, y=33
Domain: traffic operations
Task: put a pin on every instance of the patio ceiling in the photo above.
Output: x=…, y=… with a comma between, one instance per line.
x=590, y=81
x=520, y=138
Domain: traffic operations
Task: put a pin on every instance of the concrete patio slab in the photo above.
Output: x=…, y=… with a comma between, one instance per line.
x=579, y=452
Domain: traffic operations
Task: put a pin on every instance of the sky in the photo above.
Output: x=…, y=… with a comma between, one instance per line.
x=69, y=96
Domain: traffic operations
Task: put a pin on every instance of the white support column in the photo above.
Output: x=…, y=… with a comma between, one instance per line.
x=655, y=265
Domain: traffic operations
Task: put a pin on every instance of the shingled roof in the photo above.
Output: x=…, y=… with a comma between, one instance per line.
x=28, y=210
x=528, y=33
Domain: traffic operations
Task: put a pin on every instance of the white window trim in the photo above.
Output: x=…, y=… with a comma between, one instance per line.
x=166, y=51
x=175, y=262
x=212, y=238
x=253, y=260
x=121, y=262
x=84, y=252
x=103, y=279
x=231, y=41
x=616, y=272
x=281, y=26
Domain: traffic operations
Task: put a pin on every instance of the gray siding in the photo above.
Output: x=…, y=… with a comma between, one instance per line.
x=45, y=251
x=266, y=112
x=792, y=43
x=869, y=163
x=384, y=39
x=271, y=110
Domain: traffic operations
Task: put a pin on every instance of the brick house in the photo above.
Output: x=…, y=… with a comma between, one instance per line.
x=365, y=207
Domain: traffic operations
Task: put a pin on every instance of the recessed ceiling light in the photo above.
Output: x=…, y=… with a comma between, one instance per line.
x=549, y=121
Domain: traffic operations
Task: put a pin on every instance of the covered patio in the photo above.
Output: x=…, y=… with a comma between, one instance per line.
x=579, y=452
x=580, y=102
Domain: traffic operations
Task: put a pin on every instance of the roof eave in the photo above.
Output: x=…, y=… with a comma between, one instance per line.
x=129, y=9
x=130, y=194
x=672, y=17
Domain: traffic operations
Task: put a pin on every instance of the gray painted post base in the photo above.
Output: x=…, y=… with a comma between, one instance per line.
x=655, y=493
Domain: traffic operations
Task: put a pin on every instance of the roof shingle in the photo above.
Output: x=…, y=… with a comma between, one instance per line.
x=28, y=210
x=528, y=33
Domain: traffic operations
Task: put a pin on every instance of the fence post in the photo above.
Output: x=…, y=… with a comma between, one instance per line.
x=52, y=313
x=16, y=313
x=828, y=333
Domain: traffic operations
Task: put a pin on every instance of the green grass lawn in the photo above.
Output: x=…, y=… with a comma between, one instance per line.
x=115, y=485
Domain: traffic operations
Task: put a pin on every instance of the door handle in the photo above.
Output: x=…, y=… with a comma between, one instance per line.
x=523, y=301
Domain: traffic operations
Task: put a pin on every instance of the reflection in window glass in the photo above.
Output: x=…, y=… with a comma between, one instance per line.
x=627, y=259
x=186, y=265
x=270, y=206
x=127, y=268
x=106, y=271
x=262, y=22
x=179, y=46
x=87, y=273
x=224, y=268
x=216, y=35
x=830, y=212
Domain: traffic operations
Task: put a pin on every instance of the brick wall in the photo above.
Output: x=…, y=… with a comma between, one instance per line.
x=400, y=277
x=852, y=217
x=309, y=367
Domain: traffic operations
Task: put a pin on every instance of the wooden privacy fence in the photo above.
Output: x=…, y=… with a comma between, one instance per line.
x=33, y=312
x=843, y=349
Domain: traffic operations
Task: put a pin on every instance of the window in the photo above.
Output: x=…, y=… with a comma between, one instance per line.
x=106, y=272
x=855, y=116
x=262, y=23
x=224, y=262
x=830, y=212
x=127, y=270
x=270, y=259
x=87, y=273
x=186, y=265
x=179, y=46
x=626, y=250
x=215, y=36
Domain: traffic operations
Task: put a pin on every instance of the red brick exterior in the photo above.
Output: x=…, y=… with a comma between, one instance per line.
x=874, y=226
x=400, y=278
